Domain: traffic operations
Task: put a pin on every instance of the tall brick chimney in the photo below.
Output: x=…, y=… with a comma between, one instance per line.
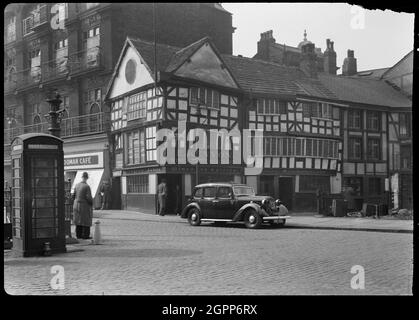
x=329, y=58
x=349, y=64
x=266, y=39
x=308, y=61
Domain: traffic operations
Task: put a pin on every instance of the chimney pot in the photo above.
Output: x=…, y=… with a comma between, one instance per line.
x=349, y=67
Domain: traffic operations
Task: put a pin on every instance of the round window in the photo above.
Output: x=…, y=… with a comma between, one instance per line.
x=130, y=70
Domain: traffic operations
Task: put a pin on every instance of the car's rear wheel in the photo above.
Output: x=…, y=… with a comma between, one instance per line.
x=252, y=219
x=194, y=217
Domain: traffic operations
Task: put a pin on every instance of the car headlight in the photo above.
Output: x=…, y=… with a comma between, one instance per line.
x=264, y=202
x=277, y=202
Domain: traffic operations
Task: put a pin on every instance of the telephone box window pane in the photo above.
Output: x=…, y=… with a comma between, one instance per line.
x=45, y=213
x=16, y=173
x=44, y=163
x=45, y=233
x=43, y=223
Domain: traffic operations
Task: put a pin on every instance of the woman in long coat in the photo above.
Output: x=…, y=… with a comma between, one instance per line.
x=82, y=208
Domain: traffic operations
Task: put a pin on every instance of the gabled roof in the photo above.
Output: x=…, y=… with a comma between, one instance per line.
x=145, y=49
x=365, y=91
x=407, y=56
x=183, y=54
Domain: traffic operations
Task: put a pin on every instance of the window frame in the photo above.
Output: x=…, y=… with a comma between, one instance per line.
x=352, y=148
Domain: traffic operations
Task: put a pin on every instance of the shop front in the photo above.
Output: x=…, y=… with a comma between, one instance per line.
x=93, y=164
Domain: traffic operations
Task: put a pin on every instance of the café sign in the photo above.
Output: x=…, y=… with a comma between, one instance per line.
x=83, y=161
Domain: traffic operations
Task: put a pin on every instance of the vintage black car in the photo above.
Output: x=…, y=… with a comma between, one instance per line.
x=231, y=202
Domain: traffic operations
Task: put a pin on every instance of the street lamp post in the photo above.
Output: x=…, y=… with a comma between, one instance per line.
x=55, y=115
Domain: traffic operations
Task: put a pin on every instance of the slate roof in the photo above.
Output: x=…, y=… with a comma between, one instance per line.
x=146, y=50
x=258, y=76
x=368, y=91
x=182, y=54
x=265, y=77
x=373, y=73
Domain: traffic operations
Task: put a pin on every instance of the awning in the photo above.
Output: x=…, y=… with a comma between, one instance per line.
x=95, y=177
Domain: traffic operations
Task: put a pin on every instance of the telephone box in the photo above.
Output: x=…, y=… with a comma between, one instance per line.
x=38, y=212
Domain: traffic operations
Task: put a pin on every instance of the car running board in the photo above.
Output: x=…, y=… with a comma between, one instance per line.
x=276, y=217
x=215, y=220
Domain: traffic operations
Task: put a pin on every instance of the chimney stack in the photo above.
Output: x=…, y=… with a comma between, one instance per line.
x=308, y=62
x=329, y=60
x=349, y=64
x=266, y=39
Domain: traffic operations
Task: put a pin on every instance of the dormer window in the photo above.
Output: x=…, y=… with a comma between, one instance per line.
x=204, y=97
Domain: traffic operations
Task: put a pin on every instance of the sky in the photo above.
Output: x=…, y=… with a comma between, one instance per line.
x=379, y=38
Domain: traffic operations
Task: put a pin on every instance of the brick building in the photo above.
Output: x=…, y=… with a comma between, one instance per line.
x=73, y=48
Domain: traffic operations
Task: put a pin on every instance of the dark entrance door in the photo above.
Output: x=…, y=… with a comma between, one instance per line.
x=174, y=193
x=116, y=193
x=285, y=191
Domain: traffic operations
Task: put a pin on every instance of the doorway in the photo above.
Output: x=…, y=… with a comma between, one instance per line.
x=174, y=192
x=116, y=193
x=286, y=191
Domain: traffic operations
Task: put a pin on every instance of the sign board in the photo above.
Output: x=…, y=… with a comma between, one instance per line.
x=83, y=161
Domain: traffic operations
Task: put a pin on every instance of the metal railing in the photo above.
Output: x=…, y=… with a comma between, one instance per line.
x=76, y=62
x=92, y=123
x=36, y=18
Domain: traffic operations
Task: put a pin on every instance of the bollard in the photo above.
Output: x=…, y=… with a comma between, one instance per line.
x=97, y=236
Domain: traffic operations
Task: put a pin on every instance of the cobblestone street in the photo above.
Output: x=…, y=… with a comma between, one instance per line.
x=150, y=255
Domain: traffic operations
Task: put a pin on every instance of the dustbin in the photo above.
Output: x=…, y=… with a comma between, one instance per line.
x=339, y=207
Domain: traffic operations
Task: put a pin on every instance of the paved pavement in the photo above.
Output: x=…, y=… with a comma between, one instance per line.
x=152, y=255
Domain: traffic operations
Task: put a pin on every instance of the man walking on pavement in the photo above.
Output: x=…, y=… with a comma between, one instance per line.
x=162, y=196
x=82, y=208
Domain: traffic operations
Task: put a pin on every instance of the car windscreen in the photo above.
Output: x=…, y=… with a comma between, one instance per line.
x=243, y=191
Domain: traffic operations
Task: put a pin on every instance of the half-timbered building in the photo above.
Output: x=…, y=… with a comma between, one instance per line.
x=190, y=86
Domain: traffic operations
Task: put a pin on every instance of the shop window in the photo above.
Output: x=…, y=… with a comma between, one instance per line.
x=137, y=184
x=374, y=186
x=312, y=183
x=355, y=183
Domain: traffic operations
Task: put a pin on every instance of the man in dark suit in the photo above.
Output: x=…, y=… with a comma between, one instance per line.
x=82, y=208
x=162, y=197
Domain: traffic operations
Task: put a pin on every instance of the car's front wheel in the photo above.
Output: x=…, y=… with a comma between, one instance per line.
x=194, y=217
x=252, y=219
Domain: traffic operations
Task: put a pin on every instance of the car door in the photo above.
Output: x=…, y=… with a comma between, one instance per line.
x=207, y=202
x=224, y=203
